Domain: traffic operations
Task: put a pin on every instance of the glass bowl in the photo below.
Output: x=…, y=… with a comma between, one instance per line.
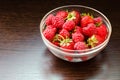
x=76, y=55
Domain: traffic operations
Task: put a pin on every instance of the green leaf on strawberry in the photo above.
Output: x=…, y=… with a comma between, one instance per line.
x=94, y=40
x=71, y=16
x=67, y=44
x=87, y=14
x=98, y=24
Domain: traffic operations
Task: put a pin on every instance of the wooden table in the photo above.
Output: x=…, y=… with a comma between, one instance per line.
x=23, y=55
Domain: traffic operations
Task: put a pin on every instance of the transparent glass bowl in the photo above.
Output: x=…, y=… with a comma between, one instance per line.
x=76, y=55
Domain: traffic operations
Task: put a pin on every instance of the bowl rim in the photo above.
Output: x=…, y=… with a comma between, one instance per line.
x=91, y=49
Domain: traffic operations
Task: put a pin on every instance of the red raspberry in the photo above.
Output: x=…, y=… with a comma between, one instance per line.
x=57, y=22
x=67, y=44
x=62, y=14
x=69, y=25
x=49, y=33
x=78, y=29
x=86, y=20
x=89, y=30
x=95, y=40
x=75, y=16
x=102, y=31
x=97, y=20
x=50, y=26
x=80, y=46
x=77, y=36
x=48, y=20
x=64, y=33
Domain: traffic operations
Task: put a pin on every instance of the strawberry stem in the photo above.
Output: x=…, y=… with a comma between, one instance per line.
x=71, y=16
x=98, y=24
x=65, y=42
x=87, y=14
x=92, y=41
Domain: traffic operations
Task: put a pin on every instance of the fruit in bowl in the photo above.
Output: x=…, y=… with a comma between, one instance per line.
x=75, y=33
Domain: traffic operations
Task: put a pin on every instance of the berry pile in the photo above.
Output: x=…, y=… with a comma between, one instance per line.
x=74, y=30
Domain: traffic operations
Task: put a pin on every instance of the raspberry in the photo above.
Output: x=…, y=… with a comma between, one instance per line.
x=98, y=21
x=78, y=29
x=48, y=20
x=57, y=22
x=77, y=36
x=64, y=33
x=49, y=33
x=50, y=27
x=69, y=25
x=62, y=14
x=89, y=30
x=80, y=46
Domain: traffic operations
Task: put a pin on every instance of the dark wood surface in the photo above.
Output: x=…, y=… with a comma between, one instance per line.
x=23, y=55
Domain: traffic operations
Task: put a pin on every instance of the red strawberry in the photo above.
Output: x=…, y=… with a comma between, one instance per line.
x=48, y=20
x=94, y=40
x=80, y=46
x=75, y=16
x=78, y=29
x=67, y=44
x=57, y=22
x=56, y=43
x=62, y=14
x=69, y=25
x=64, y=33
x=102, y=31
x=49, y=33
x=98, y=21
x=86, y=20
x=77, y=36
x=89, y=30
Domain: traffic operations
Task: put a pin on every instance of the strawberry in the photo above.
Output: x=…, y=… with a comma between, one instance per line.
x=69, y=25
x=49, y=33
x=98, y=21
x=77, y=36
x=64, y=33
x=56, y=43
x=86, y=20
x=48, y=20
x=102, y=31
x=57, y=22
x=89, y=30
x=75, y=16
x=62, y=14
x=78, y=29
x=80, y=46
x=94, y=40
x=67, y=44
